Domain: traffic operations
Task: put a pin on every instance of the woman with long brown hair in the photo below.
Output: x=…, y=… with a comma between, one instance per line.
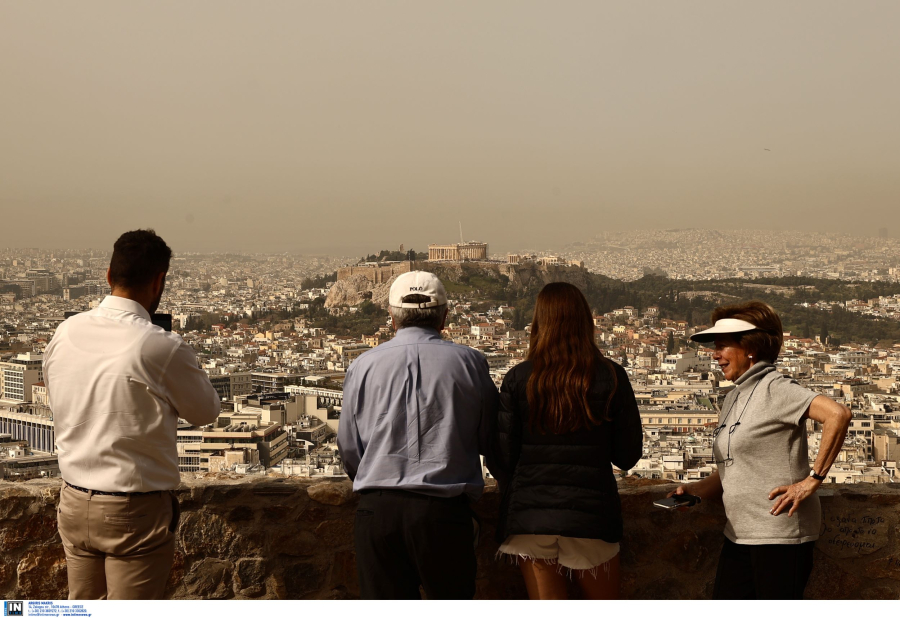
x=566, y=414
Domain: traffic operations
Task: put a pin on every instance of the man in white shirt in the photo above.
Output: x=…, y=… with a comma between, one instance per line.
x=117, y=386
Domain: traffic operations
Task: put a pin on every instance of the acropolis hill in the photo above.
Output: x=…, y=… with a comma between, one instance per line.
x=372, y=281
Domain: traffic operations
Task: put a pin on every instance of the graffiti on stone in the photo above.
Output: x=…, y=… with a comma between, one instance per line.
x=846, y=536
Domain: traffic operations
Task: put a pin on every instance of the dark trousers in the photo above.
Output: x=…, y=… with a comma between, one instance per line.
x=404, y=539
x=763, y=571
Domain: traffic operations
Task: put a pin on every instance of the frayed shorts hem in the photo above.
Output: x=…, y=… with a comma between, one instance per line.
x=571, y=554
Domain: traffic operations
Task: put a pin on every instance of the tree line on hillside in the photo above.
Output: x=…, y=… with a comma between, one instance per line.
x=396, y=256
x=839, y=325
x=319, y=281
x=605, y=294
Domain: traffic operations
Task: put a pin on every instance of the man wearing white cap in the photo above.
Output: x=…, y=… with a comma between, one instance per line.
x=417, y=413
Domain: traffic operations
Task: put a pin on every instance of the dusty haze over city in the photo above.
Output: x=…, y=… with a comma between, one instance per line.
x=342, y=128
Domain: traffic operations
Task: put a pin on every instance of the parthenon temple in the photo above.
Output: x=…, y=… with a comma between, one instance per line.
x=458, y=252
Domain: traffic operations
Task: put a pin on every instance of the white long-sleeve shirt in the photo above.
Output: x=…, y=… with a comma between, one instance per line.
x=117, y=385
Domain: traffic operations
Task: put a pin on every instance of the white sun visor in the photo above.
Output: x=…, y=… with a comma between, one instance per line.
x=724, y=326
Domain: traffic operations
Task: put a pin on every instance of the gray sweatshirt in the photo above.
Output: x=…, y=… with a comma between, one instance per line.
x=762, y=446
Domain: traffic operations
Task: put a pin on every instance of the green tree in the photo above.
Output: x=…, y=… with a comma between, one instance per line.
x=318, y=282
x=518, y=319
x=670, y=343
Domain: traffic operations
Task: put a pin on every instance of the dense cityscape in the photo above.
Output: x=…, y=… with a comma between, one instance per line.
x=720, y=254
x=276, y=334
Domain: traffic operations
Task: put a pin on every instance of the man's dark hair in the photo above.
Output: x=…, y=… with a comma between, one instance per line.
x=138, y=257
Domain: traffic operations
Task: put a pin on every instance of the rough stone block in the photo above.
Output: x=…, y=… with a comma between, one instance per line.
x=210, y=535
x=277, y=513
x=275, y=587
x=335, y=532
x=36, y=528
x=314, y=514
x=14, y=502
x=889, y=566
x=275, y=488
x=50, y=495
x=829, y=581
x=227, y=494
x=7, y=574
x=343, y=573
x=683, y=551
x=333, y=493
x=210, y=579
x=250, y=577
x=304, y=578
x=240, y=513
x=190, y=498
x=299, y=543
x=41, y=573
x=881, y=593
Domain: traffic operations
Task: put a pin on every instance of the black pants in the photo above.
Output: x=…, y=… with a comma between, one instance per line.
x=763, y=571
x=404, y=539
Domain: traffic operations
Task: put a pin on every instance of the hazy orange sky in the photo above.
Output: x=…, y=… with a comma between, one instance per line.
x=338, y=127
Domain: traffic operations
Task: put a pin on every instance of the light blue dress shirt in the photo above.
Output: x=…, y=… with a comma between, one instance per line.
x=417, y=412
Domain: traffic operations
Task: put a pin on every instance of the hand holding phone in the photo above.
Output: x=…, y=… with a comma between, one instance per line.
x=676, y=501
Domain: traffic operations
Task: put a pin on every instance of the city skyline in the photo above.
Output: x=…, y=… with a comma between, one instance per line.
x=185, y=246
x=313, y=128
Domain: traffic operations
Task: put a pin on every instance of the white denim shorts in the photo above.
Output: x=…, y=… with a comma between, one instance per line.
x=572, y=553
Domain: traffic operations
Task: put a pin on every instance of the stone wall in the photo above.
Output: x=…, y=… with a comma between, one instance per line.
x=293, y=539
x=375, y=273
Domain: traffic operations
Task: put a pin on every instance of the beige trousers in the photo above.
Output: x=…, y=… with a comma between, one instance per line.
x=117, y=547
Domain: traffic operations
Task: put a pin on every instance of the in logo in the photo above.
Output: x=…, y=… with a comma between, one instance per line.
x=13, y=608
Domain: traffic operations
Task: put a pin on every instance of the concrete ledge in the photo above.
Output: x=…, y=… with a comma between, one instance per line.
x=286, y=538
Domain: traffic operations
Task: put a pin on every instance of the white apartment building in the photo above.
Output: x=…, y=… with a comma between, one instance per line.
x=484, y=329
x=853, y=357
x=19, y=375
x=863, y=427
x=680, y=421
x=199, y=446
x=35, y=429
x=685, y=361
x=326, y=396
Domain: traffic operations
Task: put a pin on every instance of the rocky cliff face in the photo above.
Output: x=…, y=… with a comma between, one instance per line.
x=349, y=292
x=356, y=289
x=289, y=538
x=531, y=276
x=515, y=276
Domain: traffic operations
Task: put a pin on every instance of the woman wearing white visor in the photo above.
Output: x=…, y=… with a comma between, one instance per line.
x=764, y=477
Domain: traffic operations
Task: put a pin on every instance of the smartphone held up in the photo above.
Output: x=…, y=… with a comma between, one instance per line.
x=677, y=501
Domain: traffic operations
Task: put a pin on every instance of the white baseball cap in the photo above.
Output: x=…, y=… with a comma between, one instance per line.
x=417, y=282
x=725, y=326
